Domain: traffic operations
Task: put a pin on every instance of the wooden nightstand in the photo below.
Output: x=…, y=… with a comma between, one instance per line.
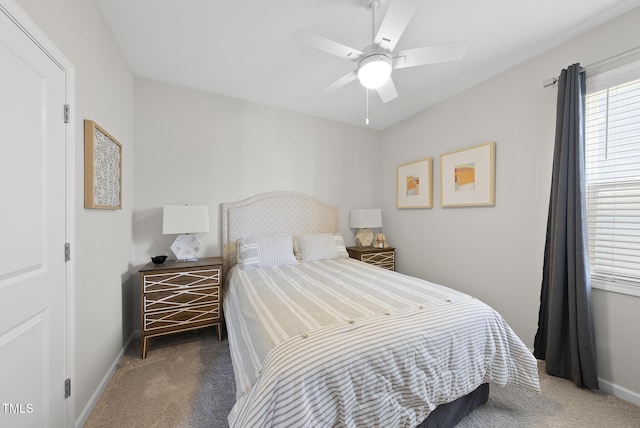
x=180, y=296
x=382, y=257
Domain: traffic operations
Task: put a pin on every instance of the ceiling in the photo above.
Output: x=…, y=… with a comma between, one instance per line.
x=245, y=49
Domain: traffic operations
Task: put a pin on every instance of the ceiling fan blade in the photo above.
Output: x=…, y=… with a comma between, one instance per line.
x=394, y=23
x=387, y=91
x=326, y=45
x=430, y=54
x=347, y=78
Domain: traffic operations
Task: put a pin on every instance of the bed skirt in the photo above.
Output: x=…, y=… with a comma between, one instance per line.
x=448, y=415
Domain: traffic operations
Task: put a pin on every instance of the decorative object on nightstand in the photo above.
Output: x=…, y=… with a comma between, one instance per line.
x=158, y=260
x=380, y=241
x=365, y=219
x=184, y=220
x=180, y=296
x=381, y=257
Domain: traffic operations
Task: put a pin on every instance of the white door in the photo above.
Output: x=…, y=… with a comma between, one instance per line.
x=33, y=342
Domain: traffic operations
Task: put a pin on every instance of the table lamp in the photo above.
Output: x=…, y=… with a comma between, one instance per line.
x=364, y=219
x=185, y=220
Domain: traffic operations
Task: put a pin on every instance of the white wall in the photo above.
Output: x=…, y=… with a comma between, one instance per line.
x=496, y=253
x=197, y=148
x=102, y=254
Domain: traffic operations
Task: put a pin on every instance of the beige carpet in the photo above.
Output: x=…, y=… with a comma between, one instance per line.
x=187, y=381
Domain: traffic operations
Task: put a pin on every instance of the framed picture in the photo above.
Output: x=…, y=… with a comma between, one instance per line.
x=102, y=168
x=467, y=177
x=415, y=184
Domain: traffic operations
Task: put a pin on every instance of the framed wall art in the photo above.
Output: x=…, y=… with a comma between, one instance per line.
x=415, y=184
x=102, y=168
x=467, y=177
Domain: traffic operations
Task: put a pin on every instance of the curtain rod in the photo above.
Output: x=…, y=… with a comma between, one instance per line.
x=553, y=80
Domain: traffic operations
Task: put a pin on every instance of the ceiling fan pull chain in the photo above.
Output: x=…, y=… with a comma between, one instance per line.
x=367, y=119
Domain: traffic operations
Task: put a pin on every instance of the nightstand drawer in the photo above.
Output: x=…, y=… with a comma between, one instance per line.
x=387, y=265
x=382, y=257
x=176, y=299
x=183, y=318
x=178, y=280
x=379, y=259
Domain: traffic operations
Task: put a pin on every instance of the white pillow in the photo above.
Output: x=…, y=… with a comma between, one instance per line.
x=276, y=250
x=247, y=253
x=321, y=246
x=342, y=248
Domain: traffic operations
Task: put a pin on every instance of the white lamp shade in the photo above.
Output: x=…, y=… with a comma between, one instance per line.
x=374, y=71
x=185, y=219
x=366, y=218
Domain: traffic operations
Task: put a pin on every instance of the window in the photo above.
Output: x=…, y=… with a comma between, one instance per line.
x=613, y=179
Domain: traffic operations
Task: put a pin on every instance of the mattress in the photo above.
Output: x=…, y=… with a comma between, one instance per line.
x=343, y=343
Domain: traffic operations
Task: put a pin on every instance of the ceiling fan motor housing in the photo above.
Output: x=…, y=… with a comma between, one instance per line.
x=374, y=70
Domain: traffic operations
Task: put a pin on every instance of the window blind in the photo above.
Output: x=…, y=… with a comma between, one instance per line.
x=612, y=158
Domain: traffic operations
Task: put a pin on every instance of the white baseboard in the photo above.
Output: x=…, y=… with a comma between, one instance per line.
x=619, y=391
x=86, y=411
x=616, y=390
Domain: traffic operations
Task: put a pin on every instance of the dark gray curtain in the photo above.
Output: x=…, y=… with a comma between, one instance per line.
x=565, y=337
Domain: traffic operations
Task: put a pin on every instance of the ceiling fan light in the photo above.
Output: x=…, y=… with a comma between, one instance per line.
x=374, y=71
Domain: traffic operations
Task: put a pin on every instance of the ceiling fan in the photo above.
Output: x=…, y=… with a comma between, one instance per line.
x=376, y=62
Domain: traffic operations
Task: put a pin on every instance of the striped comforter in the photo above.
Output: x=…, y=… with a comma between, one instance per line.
x=344, y=343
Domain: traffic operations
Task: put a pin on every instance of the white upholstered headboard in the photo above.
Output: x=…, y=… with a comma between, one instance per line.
x=272, y=213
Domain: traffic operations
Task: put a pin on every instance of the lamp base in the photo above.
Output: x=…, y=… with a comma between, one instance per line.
x=364, y=237
x=186, y=248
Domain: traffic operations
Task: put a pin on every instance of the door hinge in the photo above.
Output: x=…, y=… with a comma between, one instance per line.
x=67, y=388
x=67, y=251
x=67, y=113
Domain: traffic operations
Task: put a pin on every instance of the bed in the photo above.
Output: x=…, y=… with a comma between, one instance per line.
x=318, y=339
